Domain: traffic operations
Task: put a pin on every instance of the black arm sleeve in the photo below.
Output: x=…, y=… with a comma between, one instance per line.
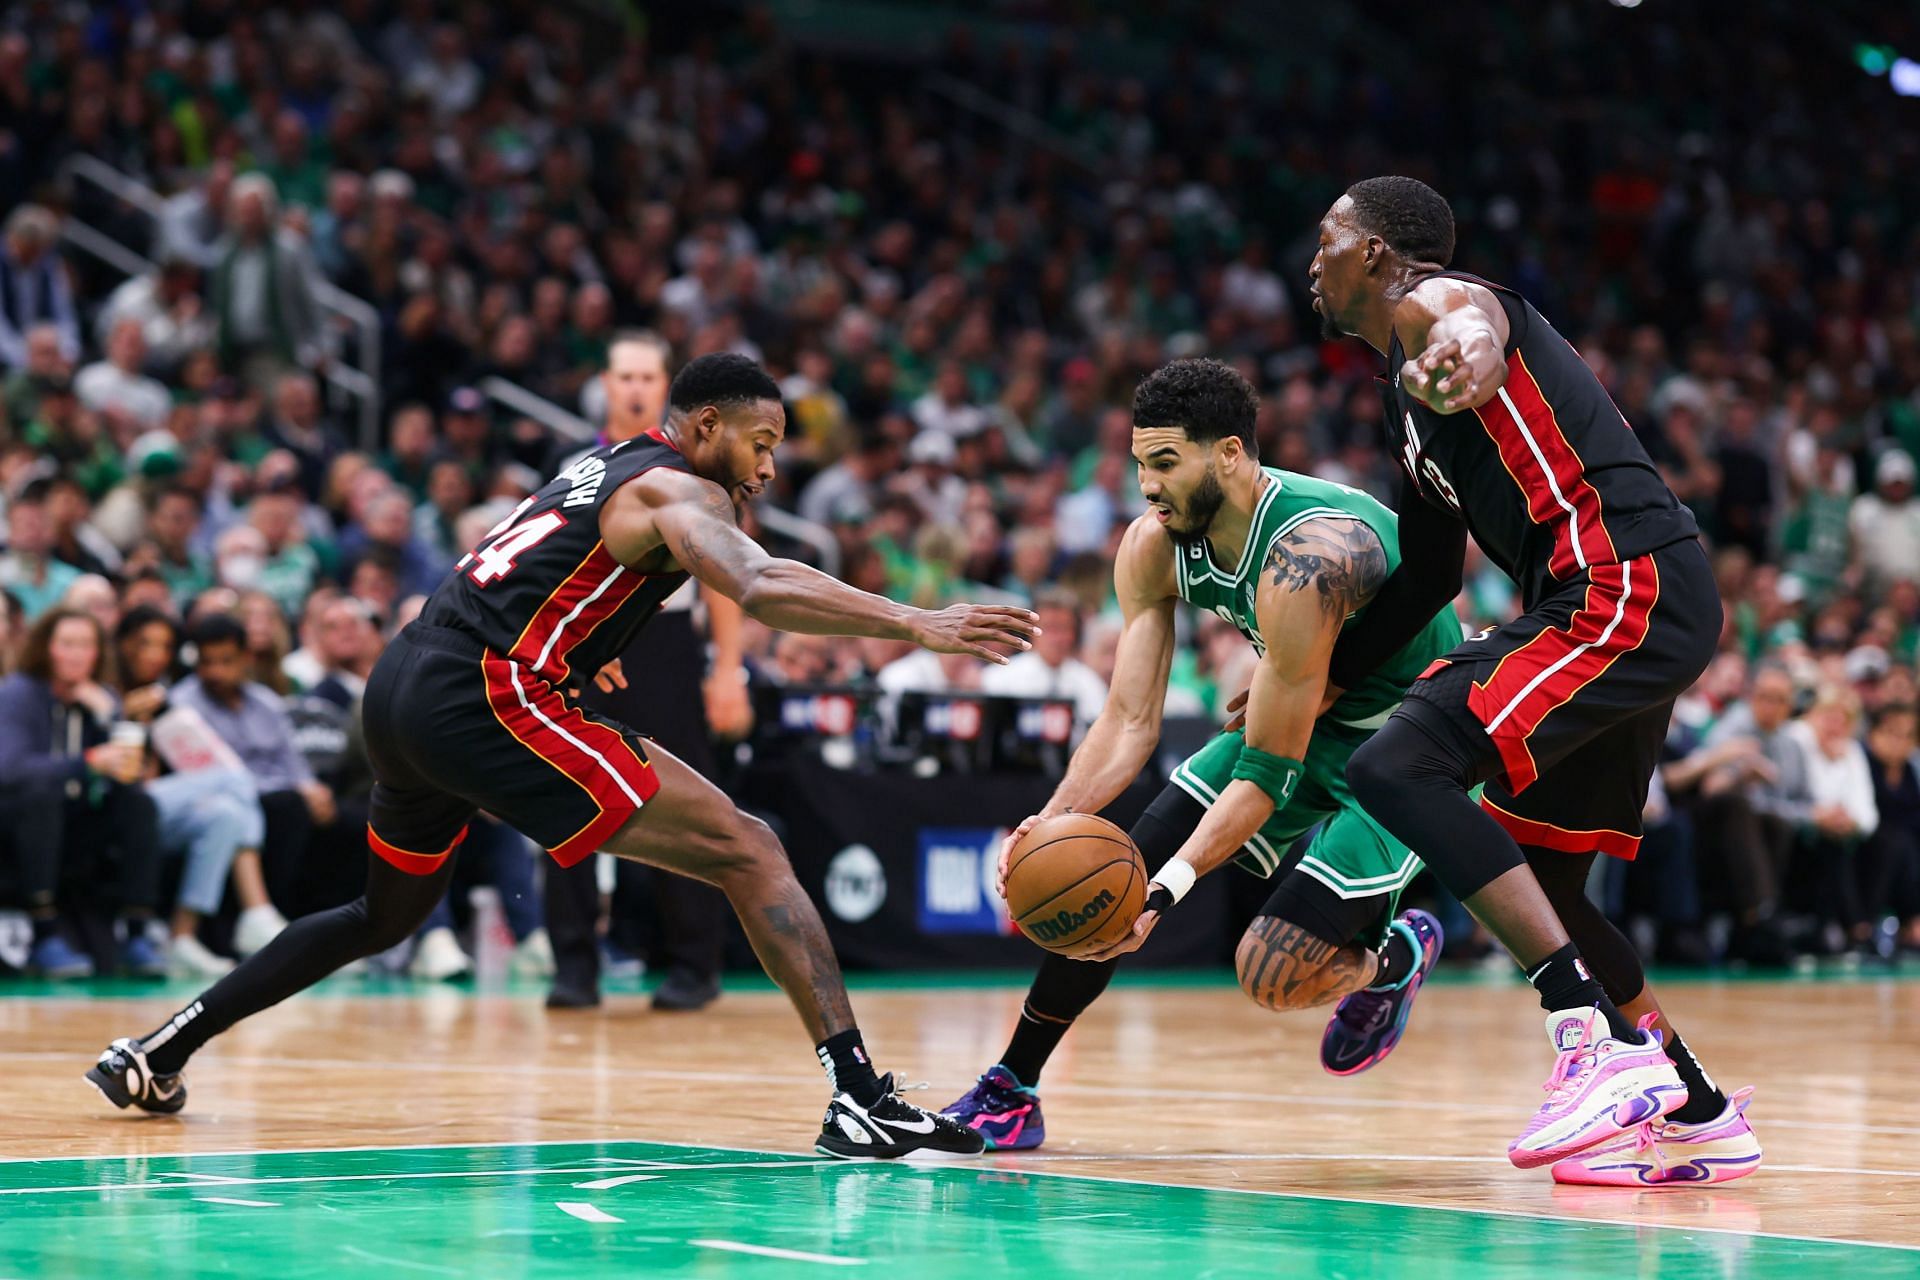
x=1433, y=549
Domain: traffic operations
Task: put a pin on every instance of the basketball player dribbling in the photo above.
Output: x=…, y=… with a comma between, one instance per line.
x=465, y=710
x=1293, y=562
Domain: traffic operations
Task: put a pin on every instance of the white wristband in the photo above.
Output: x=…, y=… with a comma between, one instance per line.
x=1176, y=877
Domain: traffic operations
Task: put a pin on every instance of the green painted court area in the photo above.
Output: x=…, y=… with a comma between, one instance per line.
x=578, y=1210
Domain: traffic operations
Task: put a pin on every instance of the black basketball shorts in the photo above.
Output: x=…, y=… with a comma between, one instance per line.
x=1576, y=694
x=453, y=728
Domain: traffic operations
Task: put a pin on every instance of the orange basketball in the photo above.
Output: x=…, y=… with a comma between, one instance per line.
x=1075, y=883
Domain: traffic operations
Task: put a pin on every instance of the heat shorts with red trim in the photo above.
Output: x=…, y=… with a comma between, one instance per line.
x=1577, y=693
x=452, y=728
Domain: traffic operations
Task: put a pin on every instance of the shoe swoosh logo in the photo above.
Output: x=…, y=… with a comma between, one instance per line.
x=923, y=1125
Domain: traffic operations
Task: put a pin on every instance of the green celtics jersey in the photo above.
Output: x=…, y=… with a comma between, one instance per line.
x=1288, y=500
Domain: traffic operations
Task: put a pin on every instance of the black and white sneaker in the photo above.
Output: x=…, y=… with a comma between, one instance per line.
x=890, y=1128
x=123, y=1078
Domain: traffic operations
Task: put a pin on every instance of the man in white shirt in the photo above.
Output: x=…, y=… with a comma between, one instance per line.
x=116, y=385
x=1049, y=669
x=1886, y=523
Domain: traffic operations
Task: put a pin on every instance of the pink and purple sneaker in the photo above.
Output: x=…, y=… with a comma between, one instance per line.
x=1367, y=1025
x=1600, y=1088
x=1002, y=1111
x=1667, y=1153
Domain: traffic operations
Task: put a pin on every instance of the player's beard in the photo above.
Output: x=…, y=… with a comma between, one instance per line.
x=1199, y=510
x=1329, y=330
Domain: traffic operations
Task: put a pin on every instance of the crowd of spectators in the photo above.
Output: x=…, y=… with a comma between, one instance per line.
x=957, y=302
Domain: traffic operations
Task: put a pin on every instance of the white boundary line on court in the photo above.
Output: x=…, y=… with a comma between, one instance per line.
x=1011, y=1165
x=1322, y=1101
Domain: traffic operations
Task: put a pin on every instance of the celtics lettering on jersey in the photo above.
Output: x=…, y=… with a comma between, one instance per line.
x=1289, y=500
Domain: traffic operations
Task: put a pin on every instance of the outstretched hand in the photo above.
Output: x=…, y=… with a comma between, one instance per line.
x=986, y=631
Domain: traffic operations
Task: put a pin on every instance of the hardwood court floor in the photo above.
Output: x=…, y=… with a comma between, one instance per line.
x=444, y=1133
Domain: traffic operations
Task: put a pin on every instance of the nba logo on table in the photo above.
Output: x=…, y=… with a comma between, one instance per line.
x=957, y=872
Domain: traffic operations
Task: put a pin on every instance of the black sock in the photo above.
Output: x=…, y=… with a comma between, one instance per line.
x=848, y=1066
x=1563, y=982
x=1035, y=1037
x=1704, y=1099
x=1398, y=960
x=1060, y=993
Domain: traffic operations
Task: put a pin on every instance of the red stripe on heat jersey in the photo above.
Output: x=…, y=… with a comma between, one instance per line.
x=1550, y=474
x=590, y=595
x=1549, y=669
x=592, y=755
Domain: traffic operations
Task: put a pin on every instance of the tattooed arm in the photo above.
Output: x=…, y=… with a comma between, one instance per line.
x=693, y=519
x=1433, y=549
x=1314, y=576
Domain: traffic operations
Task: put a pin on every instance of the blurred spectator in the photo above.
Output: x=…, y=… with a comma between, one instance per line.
x=116, y=385
x=209, y=816
x=1751, y=778
x=70, y=790
x=27, y=567
x=250, y=719
x=44, y=365
x=1889, y=862
x=165, y=304
x=195, y=223
x=1050, y=669
x=1885, y=524
x=846, y=490
x=34, y=288
x=1841, y=810
x=261, y=291
x=172, y=530
x=298, y=425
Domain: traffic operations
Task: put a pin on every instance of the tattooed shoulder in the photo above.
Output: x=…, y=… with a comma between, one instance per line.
x=1341, y=560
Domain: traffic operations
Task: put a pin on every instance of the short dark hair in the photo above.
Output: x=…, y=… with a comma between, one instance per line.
x=722, y=380
x=1409, y=215
x=145, y=615
x=1210, y=400
x=219, y=628
x=1882, y=714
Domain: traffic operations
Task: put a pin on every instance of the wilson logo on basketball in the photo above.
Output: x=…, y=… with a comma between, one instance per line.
x=1067, y=923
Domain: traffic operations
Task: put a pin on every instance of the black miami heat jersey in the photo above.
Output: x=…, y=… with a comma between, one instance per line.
x=542, y=590
x=1548, y=476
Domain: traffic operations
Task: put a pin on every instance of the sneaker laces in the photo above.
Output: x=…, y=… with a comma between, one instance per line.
x=1568, y=1065
x=1365, y=1011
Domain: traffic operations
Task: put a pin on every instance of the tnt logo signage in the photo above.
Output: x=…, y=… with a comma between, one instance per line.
x=957, y=872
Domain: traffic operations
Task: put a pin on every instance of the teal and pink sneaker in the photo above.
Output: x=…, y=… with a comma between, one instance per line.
x=1666, y=1153
x=1002, y=1111
x=1367, y=1024
x=1599, y=1089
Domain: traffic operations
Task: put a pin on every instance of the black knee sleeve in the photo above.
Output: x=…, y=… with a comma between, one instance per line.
x=1412, y=777
x=395, y=904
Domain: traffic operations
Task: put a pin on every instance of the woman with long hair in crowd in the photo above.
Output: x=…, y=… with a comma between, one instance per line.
x=70, y=788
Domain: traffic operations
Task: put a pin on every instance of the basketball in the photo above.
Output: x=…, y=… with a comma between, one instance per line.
x=1075, y=883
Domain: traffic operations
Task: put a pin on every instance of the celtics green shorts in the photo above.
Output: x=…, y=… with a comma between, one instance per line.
x=1351, y=854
